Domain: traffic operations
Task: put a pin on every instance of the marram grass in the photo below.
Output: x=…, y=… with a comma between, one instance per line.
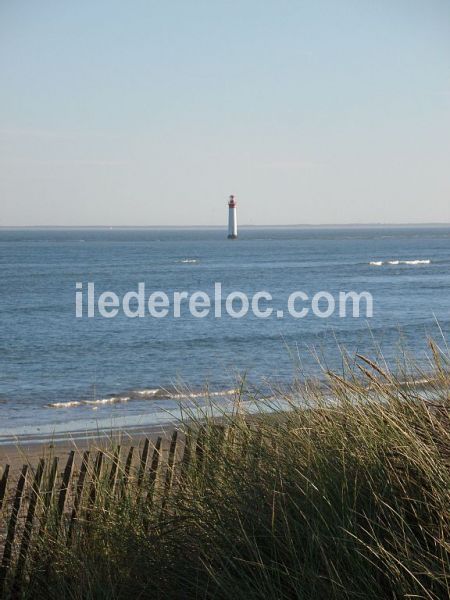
x=346, y=495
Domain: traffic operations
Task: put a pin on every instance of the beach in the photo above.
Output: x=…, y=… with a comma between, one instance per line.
x=191, y=510
x=23, y=451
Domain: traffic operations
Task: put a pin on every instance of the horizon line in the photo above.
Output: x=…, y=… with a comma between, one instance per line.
x=243, y=226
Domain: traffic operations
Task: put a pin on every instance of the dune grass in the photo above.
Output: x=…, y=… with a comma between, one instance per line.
x=346, y=495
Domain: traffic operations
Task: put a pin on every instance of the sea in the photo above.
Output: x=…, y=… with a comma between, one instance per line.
x=61, y=373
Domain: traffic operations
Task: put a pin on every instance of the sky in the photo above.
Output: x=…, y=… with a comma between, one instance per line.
x=152, y=113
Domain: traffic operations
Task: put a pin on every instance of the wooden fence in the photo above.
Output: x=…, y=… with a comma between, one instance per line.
x=64, y=494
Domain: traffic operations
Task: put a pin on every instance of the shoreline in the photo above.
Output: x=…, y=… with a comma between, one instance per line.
x=31, y=443
x=29, y=451
x=28, y=448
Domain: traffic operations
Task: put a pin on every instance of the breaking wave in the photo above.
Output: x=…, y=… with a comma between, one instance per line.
x=145, y=394
x=206, y=394
x=379, y=263
x=64, y=404
x=189, y=261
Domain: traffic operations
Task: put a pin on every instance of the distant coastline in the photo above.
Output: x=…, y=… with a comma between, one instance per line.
x=244, y=226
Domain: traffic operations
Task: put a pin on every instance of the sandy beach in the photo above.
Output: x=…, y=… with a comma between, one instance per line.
x=29, y=451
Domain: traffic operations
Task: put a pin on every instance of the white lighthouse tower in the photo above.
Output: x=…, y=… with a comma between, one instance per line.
x=232, y=219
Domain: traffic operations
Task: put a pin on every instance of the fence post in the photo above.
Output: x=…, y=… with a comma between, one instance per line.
x=3, y=485
x=170, y=469
x=154, y=465
x=95, y=481
x=7, y=552
x=48, y=494
x=113, y=476
x=152, y=478
x=79, y=493
x=28, y=530
x=65, y=485
x=200, y=448
x=144, y=459
x=126, y=474
x=187, y=454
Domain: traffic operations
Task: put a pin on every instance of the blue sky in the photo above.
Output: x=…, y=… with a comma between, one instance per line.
x=149, y=113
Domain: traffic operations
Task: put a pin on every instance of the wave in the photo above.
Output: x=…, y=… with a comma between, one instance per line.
x=204, y=394
x=146, y=393
x=94, y=403
x=379, y=263
x=111, y=400
x=189, y=261
x=156, y=394
x=64, y=404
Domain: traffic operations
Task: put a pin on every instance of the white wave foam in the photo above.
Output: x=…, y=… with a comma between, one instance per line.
x=204, y=394
x=189, y=261
x=63, y=404
x=111, y=400
x=379, y=263
x=101, y=401
x=157, y=393
x=146, y=393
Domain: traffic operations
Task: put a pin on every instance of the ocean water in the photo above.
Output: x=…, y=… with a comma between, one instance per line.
x=61, y=373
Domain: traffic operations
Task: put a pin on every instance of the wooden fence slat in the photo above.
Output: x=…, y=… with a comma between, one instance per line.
x=200, y=448
x=170, y=469
x=114, y=471
x=95, y=479
x=28, y=529
x=7, y=552
x=187, y=455
x=126, y=474
x=3, y=485
x=152, y=477
x=147, y=480
x=48, y=494
x=171, y=461
x=62, y=497
x=144, y=459
x=65, y=485
x=154, y=465
x=78, y=493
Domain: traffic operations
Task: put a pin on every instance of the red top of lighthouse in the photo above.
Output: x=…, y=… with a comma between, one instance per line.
x=232, y=202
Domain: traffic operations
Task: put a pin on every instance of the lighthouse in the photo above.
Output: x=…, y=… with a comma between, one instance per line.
x=232, y=219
